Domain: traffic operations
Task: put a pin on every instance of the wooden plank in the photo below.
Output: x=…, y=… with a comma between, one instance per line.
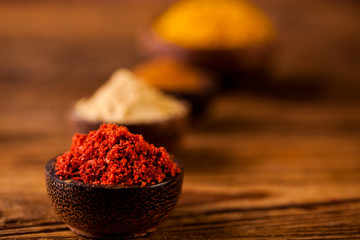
x=321, y=220
x=250, y=184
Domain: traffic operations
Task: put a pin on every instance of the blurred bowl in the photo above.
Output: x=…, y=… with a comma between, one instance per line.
x=165, y=133
x=180, y=79
x=233, y=65
x=110, y=211
x=200, y=100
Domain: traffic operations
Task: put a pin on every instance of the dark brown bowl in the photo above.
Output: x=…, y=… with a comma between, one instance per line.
x=110, y=211
x=200, y=100
x=233, y=65
x=167, y=133
x=199, y=97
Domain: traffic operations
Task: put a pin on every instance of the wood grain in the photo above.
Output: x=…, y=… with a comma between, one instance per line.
x=279, y=161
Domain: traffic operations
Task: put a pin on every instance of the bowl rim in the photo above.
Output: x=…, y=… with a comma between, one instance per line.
x=50, y=172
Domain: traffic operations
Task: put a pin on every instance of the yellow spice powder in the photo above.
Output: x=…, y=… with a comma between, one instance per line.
x=213, y=24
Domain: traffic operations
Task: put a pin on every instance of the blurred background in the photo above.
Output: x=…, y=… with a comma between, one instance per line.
x=56, y=46
x=53, y=52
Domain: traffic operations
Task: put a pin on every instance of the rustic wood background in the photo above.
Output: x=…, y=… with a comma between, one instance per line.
x=280, y=161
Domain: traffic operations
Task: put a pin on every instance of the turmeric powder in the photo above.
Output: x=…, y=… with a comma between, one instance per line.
x=213, y=24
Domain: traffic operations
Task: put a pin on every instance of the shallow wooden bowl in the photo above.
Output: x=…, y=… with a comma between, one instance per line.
x=110, y=211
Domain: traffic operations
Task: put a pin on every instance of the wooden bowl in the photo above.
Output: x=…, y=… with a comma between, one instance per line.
x=232, y=65
x=200, y=100
x=199, y=96
x=167, y=133
x=111, y=211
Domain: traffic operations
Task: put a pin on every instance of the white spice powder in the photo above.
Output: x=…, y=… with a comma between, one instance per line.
x=125, y=98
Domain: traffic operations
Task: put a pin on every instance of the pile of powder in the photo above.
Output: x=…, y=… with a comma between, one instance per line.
x=113, y=155
x=126, y=99
x=171, y=74
x=214, y=24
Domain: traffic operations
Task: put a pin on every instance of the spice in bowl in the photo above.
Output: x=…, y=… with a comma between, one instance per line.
x=213, y=24
x=113, y=184
x=179, y=78
x=171, y=75
x=113, y=155
x=233, y=38
x=125, y=99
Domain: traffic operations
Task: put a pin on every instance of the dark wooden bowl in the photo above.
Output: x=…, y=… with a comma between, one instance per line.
x=232, y=65
x=110, y=211
x=198, y=98
x=167, y=133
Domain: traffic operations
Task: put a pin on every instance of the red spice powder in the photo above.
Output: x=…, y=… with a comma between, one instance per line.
x=113, y=155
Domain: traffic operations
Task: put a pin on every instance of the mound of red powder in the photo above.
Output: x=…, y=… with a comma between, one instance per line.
x=113, y=155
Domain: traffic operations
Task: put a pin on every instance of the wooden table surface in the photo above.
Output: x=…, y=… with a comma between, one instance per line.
x=276, y=162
